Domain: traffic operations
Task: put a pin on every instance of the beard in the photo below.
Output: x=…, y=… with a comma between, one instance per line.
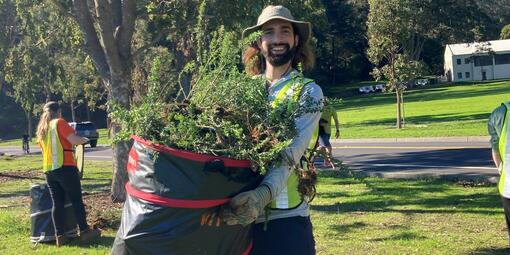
x=279, y=59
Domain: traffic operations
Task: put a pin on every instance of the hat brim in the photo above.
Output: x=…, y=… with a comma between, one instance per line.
x=305, y=28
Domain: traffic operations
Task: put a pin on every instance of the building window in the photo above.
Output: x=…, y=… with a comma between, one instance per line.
x=459, y=75
x=483, y=60
x=502, y=59
x=459, y=61
x=467, y=61
x=468, y=75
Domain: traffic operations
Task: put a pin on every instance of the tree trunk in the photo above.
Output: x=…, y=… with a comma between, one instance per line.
x=399, y=109
x=120, y=94
x=73, y=115
x=111, y=56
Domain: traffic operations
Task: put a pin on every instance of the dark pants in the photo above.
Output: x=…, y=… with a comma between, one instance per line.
x=506, y=207
x=324, y=140
x=64, y=181
x=287, y=236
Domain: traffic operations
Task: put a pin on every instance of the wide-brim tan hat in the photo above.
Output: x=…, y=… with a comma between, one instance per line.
x=272, y=12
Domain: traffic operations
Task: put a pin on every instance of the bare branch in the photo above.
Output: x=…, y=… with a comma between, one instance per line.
x=116, y=7
x=91, y=41
x=127, y=28
x=104, y=17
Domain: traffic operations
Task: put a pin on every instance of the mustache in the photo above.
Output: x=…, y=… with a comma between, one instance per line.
x=286, y=45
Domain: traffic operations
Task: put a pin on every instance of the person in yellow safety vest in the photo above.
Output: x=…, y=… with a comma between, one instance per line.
x=276, y=56
x=328, y=113
x=499, y=130
x=56, y=138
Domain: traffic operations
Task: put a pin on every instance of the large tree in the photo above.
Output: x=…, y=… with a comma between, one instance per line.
x=398, y=31
x=8, y=34
x=392, y=46
x=30, y=67
x=107, y=28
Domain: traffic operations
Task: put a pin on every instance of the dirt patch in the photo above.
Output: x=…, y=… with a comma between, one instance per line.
x=21, y=175
x=101, y=211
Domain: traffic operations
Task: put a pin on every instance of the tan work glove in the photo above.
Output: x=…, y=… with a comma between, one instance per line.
x=246, y=207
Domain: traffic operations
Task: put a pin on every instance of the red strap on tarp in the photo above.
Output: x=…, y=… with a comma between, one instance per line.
x=176, y=203
x=248, y=250
x=191, y=155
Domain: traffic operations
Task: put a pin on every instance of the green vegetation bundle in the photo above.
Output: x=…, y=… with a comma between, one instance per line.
x=226, y=113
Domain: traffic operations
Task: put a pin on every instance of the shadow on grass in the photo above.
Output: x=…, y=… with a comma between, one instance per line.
x=491, y=251
x=422, y=120
x=402, y=236
x=334, y=194
x=409, y=197
x=348, y=227
x=102, y=241
x=15, y=194
x=95, y=187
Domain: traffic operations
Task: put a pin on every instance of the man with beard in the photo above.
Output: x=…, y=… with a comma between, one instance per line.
x=287, y=228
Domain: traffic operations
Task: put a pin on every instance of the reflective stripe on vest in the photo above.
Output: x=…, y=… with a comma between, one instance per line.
x=504, y=153
x=289, y=197
x=53, y=153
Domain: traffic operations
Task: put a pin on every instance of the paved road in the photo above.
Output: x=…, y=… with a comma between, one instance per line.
x=103, y=153
x=466, y=160
x=390, y=159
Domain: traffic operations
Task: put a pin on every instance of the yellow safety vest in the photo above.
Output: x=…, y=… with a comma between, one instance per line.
x=289, y=197
x=53, y=152
x=504, y=153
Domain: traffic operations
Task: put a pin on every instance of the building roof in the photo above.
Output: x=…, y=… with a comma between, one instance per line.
x=471, y=48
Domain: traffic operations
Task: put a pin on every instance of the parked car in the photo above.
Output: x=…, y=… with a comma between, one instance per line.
x=421, y=82
x=86, y=129
x=380, y=87
x=366, y=89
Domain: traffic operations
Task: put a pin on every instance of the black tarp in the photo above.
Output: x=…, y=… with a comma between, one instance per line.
x=42, y=229
x=173, y=201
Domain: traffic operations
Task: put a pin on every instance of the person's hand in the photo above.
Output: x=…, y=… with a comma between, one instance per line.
x=337, y=134
x=246, y=207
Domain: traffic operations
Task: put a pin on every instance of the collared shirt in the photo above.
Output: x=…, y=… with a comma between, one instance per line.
x=276, y=177
x=495, y=126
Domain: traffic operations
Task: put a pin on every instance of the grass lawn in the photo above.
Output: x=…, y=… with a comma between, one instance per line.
x=15, y=206
x=434, y=111
x=383, y=216
x=350, y=216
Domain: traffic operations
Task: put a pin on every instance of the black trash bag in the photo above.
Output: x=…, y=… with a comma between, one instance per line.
x=42, y=229
x=174, y=198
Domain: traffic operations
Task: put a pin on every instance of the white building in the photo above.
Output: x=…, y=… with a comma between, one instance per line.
x=477, y=61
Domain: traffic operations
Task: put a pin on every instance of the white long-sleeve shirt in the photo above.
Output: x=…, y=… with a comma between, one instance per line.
x=276, y=177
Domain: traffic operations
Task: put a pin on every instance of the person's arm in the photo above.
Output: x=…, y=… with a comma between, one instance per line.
x=247, y=206
x=337, y=124
x=76, y=140
x=494, y=127
x=496, y=158
x=68, y=132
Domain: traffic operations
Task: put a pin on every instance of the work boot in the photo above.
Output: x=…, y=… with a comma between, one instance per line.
x=61, y=240
x=89, y=235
